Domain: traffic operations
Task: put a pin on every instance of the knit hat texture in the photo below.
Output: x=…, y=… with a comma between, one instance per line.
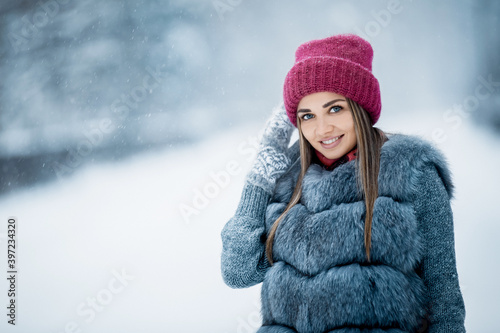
x=341, y=64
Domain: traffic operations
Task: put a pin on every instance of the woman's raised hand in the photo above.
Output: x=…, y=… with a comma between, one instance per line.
x=274, y=157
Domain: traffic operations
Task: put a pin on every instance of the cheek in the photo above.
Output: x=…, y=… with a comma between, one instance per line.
x=306, y=131
x=308, y=136
x=347, y=124
x=352, y=136
x=351, y=130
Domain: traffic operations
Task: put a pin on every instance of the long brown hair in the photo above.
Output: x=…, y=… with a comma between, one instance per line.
x=369, y=143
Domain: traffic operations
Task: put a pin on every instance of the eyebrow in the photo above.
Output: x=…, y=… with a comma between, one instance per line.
x=324, y=106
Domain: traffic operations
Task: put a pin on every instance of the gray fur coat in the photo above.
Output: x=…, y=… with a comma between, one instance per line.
x=321, y=280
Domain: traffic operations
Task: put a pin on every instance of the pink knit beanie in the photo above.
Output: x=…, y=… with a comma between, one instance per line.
x=341, y=64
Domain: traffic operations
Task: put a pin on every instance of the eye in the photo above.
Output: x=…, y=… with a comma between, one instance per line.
x=307, y=116
x=335, y=108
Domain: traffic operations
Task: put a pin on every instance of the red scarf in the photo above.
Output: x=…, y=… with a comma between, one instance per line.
x=331, y=164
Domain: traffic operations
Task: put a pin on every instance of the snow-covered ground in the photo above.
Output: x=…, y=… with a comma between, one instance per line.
x=135, y=246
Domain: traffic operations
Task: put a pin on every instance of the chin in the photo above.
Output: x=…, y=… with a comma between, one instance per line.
x=331, y=155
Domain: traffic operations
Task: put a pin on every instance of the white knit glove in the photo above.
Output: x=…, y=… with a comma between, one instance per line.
x=274, y=157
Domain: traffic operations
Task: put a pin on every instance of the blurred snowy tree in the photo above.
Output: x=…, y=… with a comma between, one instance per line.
x=66, y=65
x=91, y=79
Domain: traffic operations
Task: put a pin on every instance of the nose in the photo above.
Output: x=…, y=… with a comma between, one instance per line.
x=324, y=128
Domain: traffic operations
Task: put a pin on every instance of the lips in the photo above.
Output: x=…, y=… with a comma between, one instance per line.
x=332, y=142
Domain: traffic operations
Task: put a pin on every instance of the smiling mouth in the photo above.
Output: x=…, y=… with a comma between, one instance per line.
x=332, y=140
x=332, y=143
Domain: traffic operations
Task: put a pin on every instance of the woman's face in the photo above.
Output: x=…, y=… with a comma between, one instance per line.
x=327, y=124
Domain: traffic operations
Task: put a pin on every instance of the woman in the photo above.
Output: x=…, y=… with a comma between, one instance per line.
x=350, y=229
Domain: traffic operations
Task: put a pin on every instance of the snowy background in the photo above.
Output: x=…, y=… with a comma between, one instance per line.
x=127, y=128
